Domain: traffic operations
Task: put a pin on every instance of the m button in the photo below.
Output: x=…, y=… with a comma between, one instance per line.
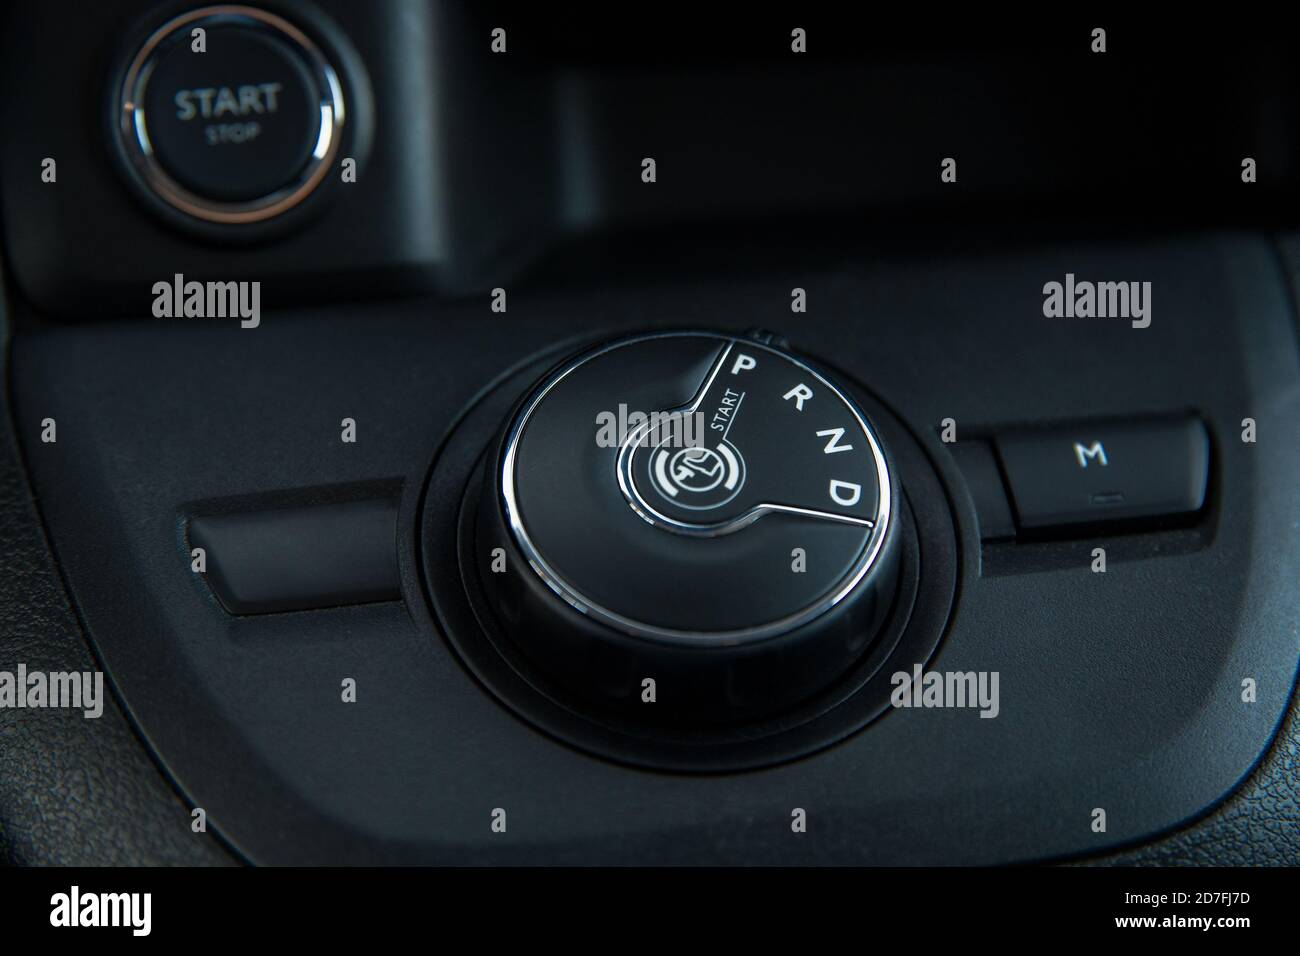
x=1104, y=473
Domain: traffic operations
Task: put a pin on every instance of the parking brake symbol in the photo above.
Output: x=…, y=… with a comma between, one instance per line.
x=710, y=477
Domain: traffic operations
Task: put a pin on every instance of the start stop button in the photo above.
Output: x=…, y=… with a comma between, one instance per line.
x=233, y=124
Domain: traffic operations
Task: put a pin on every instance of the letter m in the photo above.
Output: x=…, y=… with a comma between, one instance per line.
x=1114, y=295
x=1095, y=451
x=223, y=299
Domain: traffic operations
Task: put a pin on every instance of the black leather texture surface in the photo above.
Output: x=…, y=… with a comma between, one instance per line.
x=73, y=791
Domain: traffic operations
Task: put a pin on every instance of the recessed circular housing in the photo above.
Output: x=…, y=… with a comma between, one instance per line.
x=239, y=131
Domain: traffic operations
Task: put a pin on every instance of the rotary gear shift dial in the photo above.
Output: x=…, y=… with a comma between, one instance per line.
x=695, y=527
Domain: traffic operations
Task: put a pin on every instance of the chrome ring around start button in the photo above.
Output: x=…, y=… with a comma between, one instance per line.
x=133, y=131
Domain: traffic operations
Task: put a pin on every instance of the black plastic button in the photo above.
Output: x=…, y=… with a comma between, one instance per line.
x=294, y=559
x=980, y=469
x=238, y=131
x=236, y=122
x=1090, y=474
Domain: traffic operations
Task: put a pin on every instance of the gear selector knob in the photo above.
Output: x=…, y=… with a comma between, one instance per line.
x=696, y=527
